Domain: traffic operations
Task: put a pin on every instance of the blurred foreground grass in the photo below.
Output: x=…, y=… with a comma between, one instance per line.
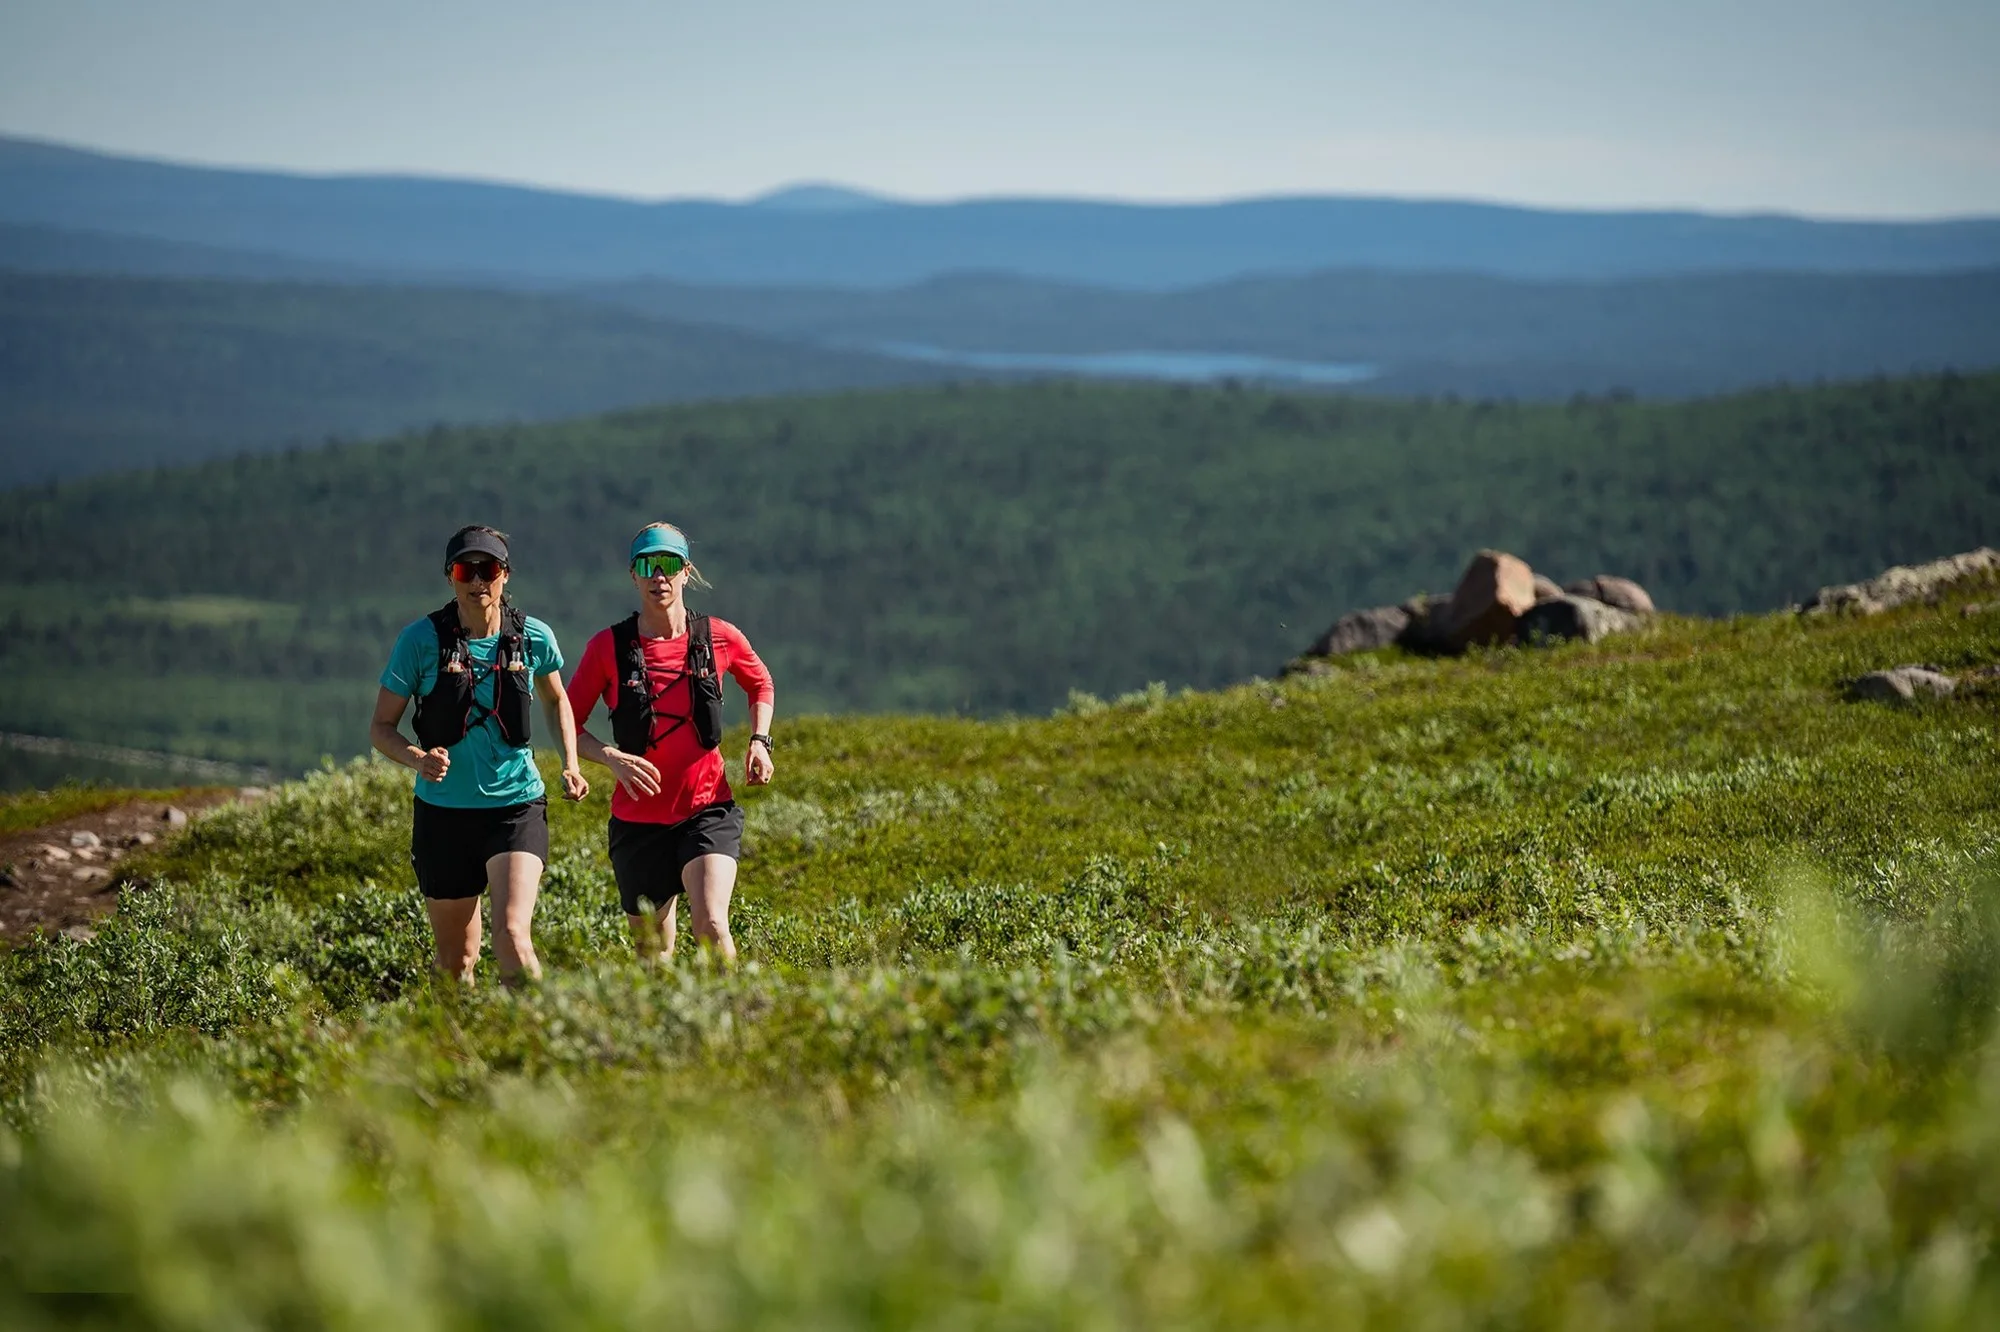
x=1651, y=983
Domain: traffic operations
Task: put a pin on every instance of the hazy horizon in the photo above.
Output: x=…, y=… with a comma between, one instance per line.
x=1857, y=109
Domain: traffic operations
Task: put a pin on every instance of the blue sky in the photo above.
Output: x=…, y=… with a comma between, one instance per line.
x=1840, y=107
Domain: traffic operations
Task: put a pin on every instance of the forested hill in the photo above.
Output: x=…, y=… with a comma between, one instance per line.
x=1687, y=335
x=99, y=373
x=985, y=549
x=102, y=372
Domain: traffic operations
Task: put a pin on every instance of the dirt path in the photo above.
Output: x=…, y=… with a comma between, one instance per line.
x=64, y=875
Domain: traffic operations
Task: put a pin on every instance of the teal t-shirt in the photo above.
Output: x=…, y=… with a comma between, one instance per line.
x=486, y=772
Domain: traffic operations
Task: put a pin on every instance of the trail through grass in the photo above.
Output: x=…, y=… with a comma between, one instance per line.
x=1649, y=983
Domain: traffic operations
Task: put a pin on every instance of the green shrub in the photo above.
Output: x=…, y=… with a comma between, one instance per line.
x=1650, y=985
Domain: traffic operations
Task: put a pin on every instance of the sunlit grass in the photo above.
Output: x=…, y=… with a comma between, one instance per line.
x=1647, y=984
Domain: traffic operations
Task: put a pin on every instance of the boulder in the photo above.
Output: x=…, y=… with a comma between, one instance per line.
x=1619, y=593
x=1358, y=631
x=174, y=816
x=1903, y=584
x=1427, y=630
x=1546, y=589
x=1903, y=684
x=1572, y=617
x=1487, y=604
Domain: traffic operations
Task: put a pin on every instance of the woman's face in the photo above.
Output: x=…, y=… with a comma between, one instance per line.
x=657, y=587
x=479, y=579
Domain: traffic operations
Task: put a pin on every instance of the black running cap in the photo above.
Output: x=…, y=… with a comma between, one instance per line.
x=475, y=542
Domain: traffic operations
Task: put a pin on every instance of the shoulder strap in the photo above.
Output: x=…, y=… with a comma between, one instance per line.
x=514, y=633
x=445, y=621
x=449, y=630
x=704, y=686
x=632, y=704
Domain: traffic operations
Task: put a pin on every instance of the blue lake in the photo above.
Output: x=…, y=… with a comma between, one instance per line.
x=1185, y=366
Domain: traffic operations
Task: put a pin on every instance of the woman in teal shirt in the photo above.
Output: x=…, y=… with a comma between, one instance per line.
x=480, y=817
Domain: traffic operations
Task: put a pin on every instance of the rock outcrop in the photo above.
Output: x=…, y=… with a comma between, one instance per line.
x=1499, y=599
x=1361, y=630
x=1573, y=617
x=1904, y=684
x=1487, y=605
x=1622, y=593
x=1904, y=584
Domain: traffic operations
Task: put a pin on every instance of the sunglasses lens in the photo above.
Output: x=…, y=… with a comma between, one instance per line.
x=653, y=566
x=465, y=571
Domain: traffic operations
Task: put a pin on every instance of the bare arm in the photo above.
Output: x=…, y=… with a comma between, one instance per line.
x=757, y=766
x=555, y=705
x=631, y=771
x=385, y=733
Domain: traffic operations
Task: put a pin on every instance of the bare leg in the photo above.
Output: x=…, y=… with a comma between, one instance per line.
x=515, y=877
x=709, y=881
x=455, y=928
x=653, y=935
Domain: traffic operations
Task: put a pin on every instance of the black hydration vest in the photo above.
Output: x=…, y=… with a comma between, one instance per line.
x=633, y=721
x=447, y=714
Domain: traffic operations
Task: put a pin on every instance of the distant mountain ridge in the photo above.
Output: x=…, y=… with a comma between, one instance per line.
x=821, y=235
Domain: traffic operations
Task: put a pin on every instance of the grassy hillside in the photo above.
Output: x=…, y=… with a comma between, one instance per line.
x=972, y=549
x=1644, y=985
x=100, y=373
x=1425, y=332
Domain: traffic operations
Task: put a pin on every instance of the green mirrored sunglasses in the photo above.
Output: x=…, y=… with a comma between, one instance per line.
x=657, y=566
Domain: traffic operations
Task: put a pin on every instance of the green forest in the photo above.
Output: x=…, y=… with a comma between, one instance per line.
x=104, y=373
x=100, y=373
x=958, y=549
x=1448, y=332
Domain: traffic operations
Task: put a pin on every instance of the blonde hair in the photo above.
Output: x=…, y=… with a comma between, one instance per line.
x=694, y=573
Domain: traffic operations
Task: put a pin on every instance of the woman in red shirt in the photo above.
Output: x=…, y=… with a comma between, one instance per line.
x=675, y=826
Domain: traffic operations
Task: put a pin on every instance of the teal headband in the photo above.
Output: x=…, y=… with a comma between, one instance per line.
x=658, y=541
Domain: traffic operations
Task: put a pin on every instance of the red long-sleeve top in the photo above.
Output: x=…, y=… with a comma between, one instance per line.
x=690, y=777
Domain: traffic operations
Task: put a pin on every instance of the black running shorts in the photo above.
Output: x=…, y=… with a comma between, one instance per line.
x=450, y=847
x=648, y=858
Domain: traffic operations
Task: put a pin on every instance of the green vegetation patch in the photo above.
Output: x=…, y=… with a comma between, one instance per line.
x=21, y=811
x=1651, y=983
x=208, y=610
x=974, y=550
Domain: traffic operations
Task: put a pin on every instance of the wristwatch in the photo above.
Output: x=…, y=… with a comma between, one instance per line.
x=765, y=738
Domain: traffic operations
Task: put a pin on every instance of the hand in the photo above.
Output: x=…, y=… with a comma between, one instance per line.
x=434, y=764
x=636, y=777
x=757, y=766
x=574, y=786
